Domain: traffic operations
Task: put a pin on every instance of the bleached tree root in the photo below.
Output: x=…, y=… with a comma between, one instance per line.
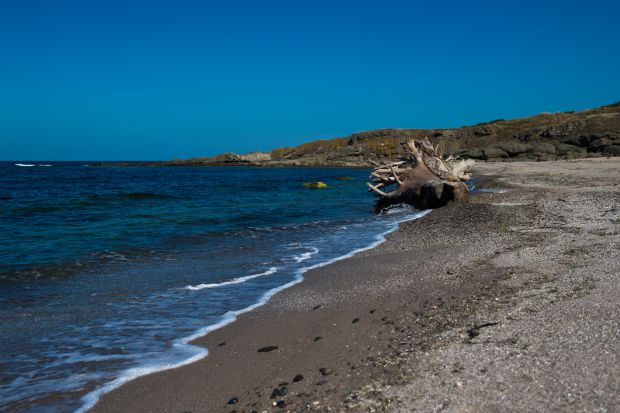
x=427, y=180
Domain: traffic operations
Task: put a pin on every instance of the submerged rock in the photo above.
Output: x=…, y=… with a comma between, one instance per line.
x=315, y=185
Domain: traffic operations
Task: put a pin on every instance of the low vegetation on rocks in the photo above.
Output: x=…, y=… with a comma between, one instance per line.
x=547, y=136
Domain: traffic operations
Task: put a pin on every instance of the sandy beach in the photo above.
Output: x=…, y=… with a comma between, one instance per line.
x=510, y=302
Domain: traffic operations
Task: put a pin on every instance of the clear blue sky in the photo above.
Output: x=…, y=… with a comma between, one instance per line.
x=164, y=79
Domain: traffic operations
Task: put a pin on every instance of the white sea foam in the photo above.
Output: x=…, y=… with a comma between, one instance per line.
x=196, y=352
x=306, y=255
x=493, y=190
x=238, y=280
x=24, y=164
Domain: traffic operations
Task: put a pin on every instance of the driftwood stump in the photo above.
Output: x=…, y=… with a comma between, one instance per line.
x=427, y=180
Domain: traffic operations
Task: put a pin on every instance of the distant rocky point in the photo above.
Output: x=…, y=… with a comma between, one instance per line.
x=547, y=136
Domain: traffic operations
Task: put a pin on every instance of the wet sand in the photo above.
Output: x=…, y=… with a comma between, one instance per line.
x=510, y=302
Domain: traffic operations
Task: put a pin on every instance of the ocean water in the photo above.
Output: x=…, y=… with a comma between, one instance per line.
x=107, y=273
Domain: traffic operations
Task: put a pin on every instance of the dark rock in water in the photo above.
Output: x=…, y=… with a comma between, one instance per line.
x=233, y=400
x=316, y=307
x=325, y=371
x=222, y=344
x=267, y=349
x=298, y=378
x=355, y=320
x=321, y=382
x=372, y=311
x=317, y=338
x=280, y=403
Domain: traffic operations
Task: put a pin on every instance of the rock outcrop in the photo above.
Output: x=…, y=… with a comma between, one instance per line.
x=566, y=135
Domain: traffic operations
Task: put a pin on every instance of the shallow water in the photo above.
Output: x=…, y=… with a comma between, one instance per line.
x=106, y=273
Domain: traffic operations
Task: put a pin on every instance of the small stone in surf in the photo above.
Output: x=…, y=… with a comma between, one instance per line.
x=298, y=378
x=222, y=344
x=267, y=349
x=355, y=320
x=317, y=338
x=233, y=400
x=325, y=371
x=316, y=307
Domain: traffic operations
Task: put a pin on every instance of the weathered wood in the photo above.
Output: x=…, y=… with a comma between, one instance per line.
x=426, y=181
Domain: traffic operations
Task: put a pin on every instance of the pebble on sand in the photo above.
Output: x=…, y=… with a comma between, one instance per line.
x=279, y=392
x=233, y=400
x=298, y=378
x=267, y=349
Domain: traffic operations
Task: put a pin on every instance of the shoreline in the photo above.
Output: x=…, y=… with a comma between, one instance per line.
x=92, y=398
x=404, y=296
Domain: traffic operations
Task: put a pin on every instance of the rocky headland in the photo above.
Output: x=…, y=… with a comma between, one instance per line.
x=547, y=136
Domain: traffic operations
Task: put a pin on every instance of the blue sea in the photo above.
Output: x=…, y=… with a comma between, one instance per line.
x=108, y=273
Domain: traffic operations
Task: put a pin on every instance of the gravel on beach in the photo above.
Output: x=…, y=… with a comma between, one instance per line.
x=510, y=302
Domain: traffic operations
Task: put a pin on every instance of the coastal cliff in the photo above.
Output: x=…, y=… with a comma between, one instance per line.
x=547, y=136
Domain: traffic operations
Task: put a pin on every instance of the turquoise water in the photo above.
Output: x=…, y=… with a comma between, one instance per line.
x=106, y=273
